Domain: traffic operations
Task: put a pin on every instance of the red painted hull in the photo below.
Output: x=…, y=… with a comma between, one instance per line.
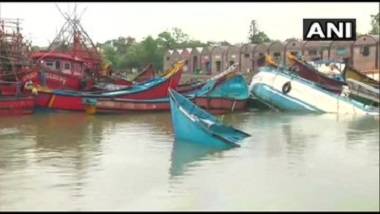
x=213, y=105
x=309, y=73
x=16, y=105
x=8, y=90
x=54, y=80
x=74, y=103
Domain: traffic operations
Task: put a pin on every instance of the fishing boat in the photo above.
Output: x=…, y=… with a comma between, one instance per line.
x=14, y=57
x=55, y=70
x=16, y=105
x=71, y=62
x=308, y=72
x=363, y=92
x=190, y=87
x=361, y=87
x=191, y=123
x=287, y=91
x=351, y=73
x=227, y=92
x=72, y=100
x=110, y=83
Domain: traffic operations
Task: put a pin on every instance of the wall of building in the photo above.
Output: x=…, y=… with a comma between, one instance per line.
x=363, y=54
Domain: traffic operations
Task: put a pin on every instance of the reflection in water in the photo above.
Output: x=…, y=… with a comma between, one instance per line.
x=186, y=155
x=73, y=161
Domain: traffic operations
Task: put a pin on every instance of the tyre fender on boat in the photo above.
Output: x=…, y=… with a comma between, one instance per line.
x=286, y=87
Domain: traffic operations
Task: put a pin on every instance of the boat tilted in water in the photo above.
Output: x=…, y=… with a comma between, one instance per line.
x=191, y=123
x=287, y=91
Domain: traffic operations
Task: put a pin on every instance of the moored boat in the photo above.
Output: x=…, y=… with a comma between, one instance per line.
x=16, y=105
x=110, y=83
x=289, y=92
x=190, y=87
x=227, y=92
x=191, y=123
x=72, y=100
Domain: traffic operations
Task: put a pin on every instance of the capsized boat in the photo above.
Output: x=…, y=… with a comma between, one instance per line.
x=287, y=91
x=364, y=93
x=308, y=72
x=226, y=92
x=16, y=105
x=351, y=73
x=72, y=100
x=191, y=123
x=332, y=69
x=361, y=87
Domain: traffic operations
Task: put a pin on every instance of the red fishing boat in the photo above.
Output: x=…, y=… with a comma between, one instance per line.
x=14, y=52
x=56, y=70
x=110, y=83
x=16, y=105
x=147, y=74
x=14, y=57
x=72, y=100
x=72, y=61
x=227, y=92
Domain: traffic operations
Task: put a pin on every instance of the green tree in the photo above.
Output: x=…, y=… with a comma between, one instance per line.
x=166, y=40
x=255, y=35
x=125, y=53
x=375, y=22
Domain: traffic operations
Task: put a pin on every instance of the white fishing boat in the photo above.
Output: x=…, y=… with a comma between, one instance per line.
x=287, y=91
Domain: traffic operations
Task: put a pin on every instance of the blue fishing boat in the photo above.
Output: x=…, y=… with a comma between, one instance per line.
x=226, y=92
x=191, y=123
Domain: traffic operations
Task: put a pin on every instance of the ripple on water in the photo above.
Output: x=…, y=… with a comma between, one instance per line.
x=125, y=162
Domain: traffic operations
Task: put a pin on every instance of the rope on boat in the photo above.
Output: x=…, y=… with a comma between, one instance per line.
x=233, y=106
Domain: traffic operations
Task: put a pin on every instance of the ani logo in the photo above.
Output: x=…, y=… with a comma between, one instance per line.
x=329, y=29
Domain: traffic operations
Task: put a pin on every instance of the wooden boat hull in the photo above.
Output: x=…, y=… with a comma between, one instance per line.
x=191, y=123
x=67, y=100
x=364, y=93
x=214, y=105
x=351, y=73
x=8, y=89
x=188, y=88
x=303, y=96
x=228, y=93
x=308, y=72
x=53, y=80
x=16, y=105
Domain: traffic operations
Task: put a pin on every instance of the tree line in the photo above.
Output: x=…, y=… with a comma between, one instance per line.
x=125, y=53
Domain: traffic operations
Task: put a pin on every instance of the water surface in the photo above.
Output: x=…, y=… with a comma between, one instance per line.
x=72, y=161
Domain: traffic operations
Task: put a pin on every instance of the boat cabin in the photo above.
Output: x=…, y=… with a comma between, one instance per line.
x=62, y=63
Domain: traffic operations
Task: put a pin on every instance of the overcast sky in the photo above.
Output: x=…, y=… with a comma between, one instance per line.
x=202, y=21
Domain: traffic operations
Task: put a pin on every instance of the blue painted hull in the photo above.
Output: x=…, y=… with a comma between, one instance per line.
x=188, y=126
x=281, y=101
